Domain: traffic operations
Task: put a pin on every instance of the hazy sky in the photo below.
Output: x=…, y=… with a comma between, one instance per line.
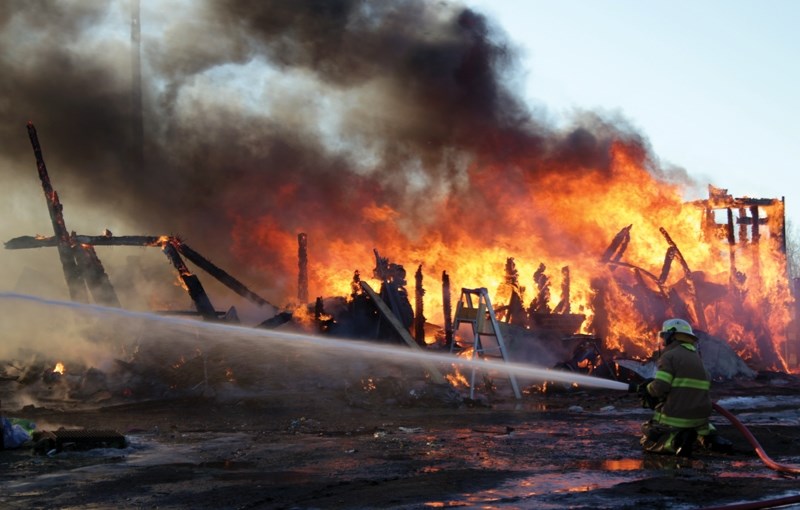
x=712, y=84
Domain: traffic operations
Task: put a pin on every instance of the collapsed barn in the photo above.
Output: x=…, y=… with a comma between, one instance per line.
x=625, y=303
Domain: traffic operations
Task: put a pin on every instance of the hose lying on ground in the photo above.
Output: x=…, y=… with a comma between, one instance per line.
x=754, y=443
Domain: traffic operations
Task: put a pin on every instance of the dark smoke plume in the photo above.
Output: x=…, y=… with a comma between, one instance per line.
x=293, y=109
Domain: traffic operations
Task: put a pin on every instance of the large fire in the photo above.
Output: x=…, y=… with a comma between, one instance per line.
x=567, y=218
x=394, y=128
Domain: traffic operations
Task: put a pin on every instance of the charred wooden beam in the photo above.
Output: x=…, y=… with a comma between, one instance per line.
x=302, y=263
x=698, y=305
x=662, y=288
x=393, y=291
x=402, y=331
x=669, y=256
x=447, y=310
x=319, y=309
x=419, y=316
x=781, y=227
x=564, y=306
x=229, y=281
x=515, y=312
x=541, y=303
x=96, y=277
x=742, y=226
x=66, y=253
x=512, y=275
x=28, y=242
x=618, y=245
x=756, y=233
x=731, y=237
x=600, y=322
x=199, y=297
x=215, y=271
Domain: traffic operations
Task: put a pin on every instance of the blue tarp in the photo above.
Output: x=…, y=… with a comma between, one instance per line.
x=16, y=432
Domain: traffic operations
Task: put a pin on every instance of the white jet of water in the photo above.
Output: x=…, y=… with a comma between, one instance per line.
x=366, y=349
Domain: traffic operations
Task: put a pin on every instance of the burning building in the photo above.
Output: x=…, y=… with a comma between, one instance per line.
x=415, y=145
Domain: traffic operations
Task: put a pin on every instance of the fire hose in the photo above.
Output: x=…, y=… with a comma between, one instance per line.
x=766, y=503
x=783, y=468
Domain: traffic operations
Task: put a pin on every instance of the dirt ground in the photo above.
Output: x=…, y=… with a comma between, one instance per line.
x=376, y=449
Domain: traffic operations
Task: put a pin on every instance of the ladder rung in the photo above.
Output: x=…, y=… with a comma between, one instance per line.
x=480, y=315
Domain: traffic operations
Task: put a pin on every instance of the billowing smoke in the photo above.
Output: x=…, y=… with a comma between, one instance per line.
x=297, y=111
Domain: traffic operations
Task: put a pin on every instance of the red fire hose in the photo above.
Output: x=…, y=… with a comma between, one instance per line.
x=767, y=503
x=754, y=443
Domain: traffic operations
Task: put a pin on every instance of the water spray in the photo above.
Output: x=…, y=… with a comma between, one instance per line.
x=394, y=353
x=299, y=339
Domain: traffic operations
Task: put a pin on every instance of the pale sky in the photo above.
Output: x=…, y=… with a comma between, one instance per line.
x=713, y=84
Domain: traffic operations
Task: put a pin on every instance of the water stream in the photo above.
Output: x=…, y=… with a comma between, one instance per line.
x=370, y=350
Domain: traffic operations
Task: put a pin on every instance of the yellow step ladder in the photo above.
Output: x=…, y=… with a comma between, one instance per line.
x=475, y=308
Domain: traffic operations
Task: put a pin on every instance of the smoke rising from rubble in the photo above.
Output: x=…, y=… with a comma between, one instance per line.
x=298, y=112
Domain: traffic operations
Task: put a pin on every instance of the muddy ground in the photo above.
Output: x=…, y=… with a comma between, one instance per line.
x=397, y=448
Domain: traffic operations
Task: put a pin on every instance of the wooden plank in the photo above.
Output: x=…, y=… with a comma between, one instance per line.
x=404, y=334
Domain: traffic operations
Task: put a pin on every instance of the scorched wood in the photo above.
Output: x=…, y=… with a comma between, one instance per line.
x=96, y=277
x=447, y=310
x=193, y=285
x=25, y=242
x=218, y=273
x=28, y=242
x=419, y=317
x=402, y=331
x=563, y=306
x=698, y=306
x=302, y=267
x=72, y=272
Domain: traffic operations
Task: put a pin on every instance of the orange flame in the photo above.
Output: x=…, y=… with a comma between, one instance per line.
x=558, y=218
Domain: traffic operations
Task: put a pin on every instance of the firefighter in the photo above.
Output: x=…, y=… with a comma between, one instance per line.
x=679, y=394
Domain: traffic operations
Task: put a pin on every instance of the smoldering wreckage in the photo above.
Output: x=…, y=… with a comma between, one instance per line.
x=166, y=376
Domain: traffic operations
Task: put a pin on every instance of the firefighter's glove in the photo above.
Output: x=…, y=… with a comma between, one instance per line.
x=648, y=400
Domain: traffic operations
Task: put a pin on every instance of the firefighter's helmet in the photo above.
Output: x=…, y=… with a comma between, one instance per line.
x=676, y=326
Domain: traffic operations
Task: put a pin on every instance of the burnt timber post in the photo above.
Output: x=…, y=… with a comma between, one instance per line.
x=447, y=310
x=756, y=234
x=434, y=373
x=95, y=275
x=137, y=115
x=302, y=266
x=564, y=305
x=72, y=272
x=27, y=242
x=199, y=297
x=687, y=273
x=419, y=316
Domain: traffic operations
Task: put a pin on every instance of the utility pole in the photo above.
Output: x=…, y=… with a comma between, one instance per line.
x=137, y=117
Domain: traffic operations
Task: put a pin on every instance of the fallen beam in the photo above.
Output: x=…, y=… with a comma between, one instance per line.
x=223, y=277
x=404, y=334
x=199, y=297
x=28, y=242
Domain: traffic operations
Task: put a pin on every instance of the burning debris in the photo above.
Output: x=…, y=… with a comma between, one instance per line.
x=434, y=160
x=624, y=295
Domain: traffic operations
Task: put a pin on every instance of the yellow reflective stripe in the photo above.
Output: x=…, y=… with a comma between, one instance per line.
x=685, y=382
x=683, y=423
x=688, y=346
x=664, y=376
